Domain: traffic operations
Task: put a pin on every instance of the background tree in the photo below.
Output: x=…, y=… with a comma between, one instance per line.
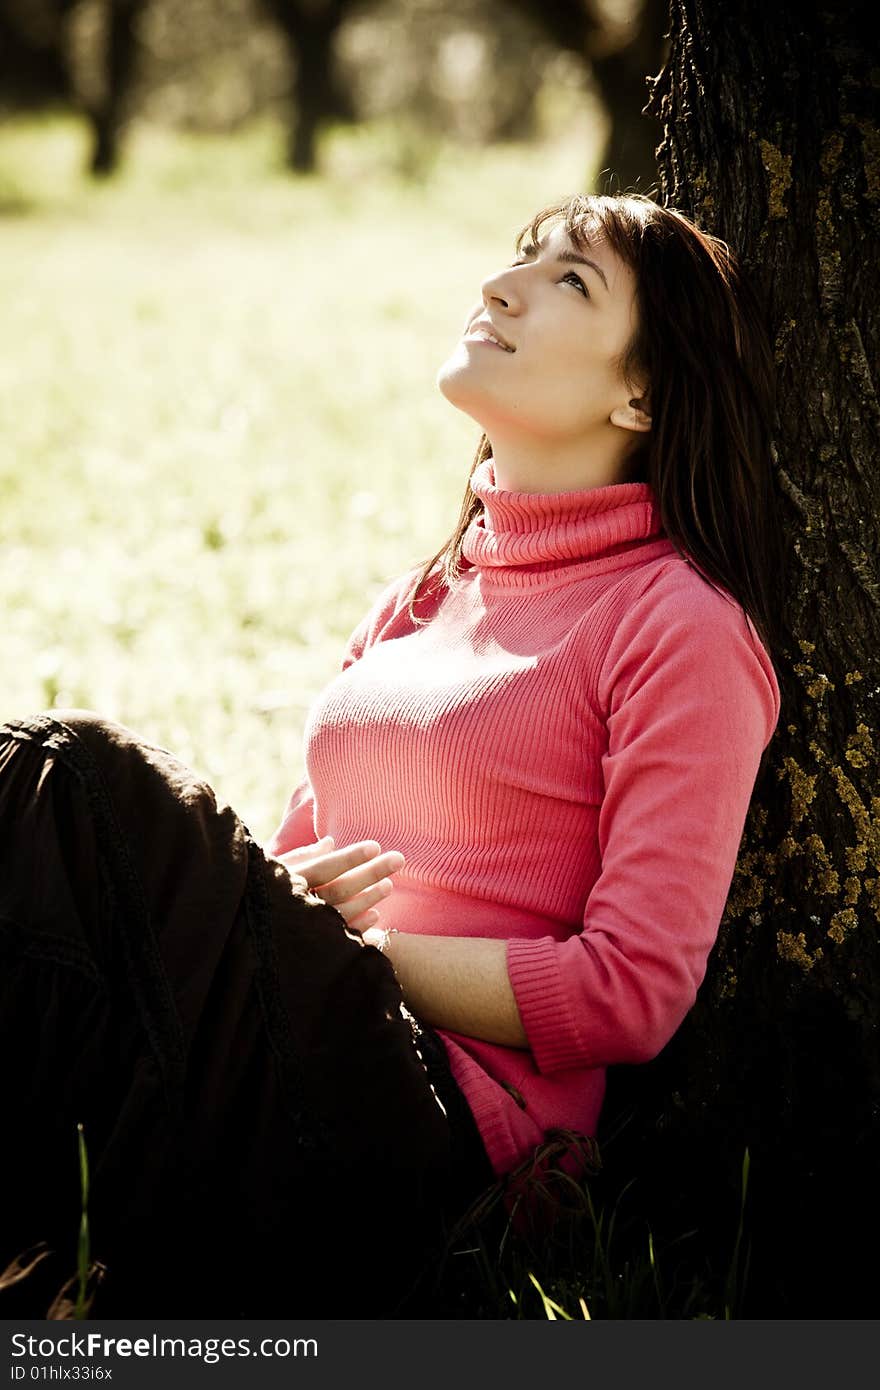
x=33, y=67
x=310, y=28
x=770, y=139
x=37, y=71
x=473, y=70
x=108, y=114
x=620, y=68
x=619, y=46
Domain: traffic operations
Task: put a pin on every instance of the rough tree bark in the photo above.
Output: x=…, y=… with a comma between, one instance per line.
x=770, y=140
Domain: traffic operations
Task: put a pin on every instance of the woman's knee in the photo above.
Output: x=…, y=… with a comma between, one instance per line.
x=52, y=730
x=79, y=720
x=93, y=729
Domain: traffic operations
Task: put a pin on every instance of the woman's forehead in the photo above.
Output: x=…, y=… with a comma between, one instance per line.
x=558, y=241
x=556, y=235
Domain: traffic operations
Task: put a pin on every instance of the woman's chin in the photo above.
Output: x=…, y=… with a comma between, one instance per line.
x=456, y=382
x=451, y=371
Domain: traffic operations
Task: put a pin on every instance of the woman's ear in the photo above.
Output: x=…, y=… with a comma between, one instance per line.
x=635, y=415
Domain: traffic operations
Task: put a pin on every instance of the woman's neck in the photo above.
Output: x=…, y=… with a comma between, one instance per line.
x=534, y=466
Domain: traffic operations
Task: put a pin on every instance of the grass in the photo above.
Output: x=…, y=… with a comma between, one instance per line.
x=601, y=1261
x=219, y=437
x=220, y=430
x=598, y=1262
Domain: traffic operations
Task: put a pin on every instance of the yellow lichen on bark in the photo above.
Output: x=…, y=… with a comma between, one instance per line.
x=852, y=676
x=747, y=892
x=780, y=349
x=788, y=848
x=845, y=789
x=832, y=149
x=852, y=801
x=817, y=688
x=818, y=685
x=803, y=789
x=871, y=160
x=824, y=875
x=830, y=259
x=778, y=166
x=842, y=923
x=728, y=984
x=857, y=858
x=822, y=878
x=852, y=891
x=860, y=747
x=794, y=948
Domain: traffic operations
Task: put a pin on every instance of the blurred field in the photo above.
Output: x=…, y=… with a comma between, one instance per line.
x=219, y=429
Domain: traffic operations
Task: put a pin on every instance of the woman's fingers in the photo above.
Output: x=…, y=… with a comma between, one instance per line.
x=331, y=863
x=305, y=853
x=351, y=879
x=366, y=919
x=361, y=886
x=354, y=907
x=345, y=873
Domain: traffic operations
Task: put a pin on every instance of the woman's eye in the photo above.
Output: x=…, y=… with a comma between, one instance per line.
x=576, y=279
x=570, y=275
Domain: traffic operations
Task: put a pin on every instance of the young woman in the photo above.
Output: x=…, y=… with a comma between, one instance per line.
x=525, y=792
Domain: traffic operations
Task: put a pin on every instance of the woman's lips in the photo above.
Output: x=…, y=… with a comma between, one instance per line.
x=485, y=342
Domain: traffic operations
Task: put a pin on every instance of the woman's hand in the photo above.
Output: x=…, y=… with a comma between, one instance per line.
x=349, y=879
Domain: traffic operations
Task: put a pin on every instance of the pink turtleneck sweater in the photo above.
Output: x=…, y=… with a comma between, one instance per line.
x=565, y=755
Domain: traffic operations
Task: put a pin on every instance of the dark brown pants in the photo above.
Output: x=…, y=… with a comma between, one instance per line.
x=261, y=1115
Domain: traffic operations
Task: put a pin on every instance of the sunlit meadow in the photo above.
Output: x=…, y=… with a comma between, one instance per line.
x=219, y=430
x=220, y=437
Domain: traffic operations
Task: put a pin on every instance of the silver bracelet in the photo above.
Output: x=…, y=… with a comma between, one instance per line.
x=382, y=945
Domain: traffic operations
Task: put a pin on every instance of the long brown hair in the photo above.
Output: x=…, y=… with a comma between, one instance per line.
x=704, y=349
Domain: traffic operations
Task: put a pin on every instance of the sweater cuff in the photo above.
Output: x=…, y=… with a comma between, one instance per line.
x=543, y=1004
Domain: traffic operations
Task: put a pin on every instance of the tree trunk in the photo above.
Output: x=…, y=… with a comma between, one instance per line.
x=622, y=76
x=120, y=57
x=770, y=140
x=34, y=72
x=310, y=27
x=628, y=160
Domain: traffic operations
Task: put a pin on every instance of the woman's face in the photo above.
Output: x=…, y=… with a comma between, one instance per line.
x=564, y=325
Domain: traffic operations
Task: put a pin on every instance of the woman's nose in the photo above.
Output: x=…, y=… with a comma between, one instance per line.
x=500, y=289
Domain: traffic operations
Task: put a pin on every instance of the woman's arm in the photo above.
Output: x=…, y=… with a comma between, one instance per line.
x=690, y=701
x=456, y=982
x=693, y=702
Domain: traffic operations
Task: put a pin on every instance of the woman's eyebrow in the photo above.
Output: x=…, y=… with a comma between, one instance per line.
x=573, y=258
x=569, y=258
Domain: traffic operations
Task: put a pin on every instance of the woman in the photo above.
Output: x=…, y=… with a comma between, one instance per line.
x=536, y=763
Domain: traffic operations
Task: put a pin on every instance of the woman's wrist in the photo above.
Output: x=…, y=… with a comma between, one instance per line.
x=379, y=937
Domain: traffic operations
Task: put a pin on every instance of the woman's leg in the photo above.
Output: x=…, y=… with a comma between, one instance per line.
x=262, y=1135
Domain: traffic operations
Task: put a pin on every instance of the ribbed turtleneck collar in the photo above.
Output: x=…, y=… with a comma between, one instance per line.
x=520, y=534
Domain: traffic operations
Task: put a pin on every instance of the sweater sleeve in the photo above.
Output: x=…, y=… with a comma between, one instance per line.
x=297, y=826
x=691, y=701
